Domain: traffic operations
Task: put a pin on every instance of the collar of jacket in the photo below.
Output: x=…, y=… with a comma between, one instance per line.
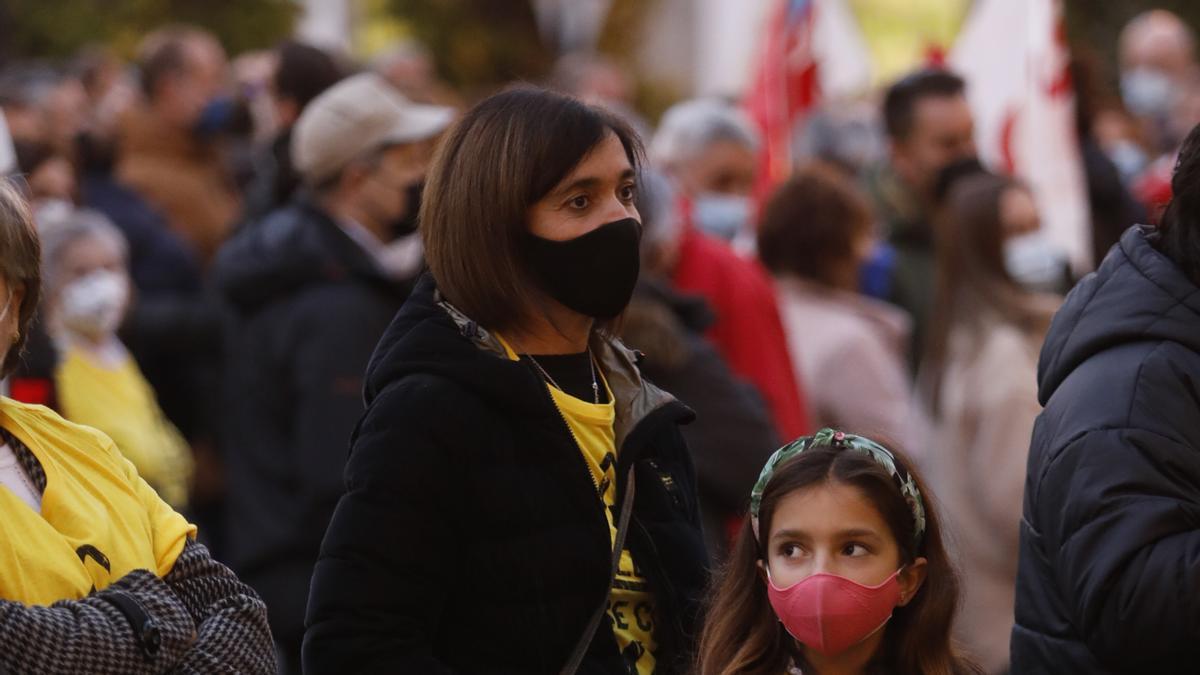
x=293, y=247
x=899, y=208
x=635, y=398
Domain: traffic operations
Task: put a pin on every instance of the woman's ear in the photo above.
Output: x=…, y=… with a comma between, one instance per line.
x=762, y=571
x=911, y=578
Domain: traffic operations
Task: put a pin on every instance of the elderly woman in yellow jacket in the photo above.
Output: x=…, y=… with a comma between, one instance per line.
x=86, y=288
x=97, y=573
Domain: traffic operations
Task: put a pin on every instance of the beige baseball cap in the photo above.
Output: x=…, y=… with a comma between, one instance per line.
x=355, y=116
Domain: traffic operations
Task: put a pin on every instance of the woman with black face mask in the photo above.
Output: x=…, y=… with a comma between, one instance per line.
x=519, y=498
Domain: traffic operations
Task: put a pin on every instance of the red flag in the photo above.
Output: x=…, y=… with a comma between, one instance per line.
x=784, y=88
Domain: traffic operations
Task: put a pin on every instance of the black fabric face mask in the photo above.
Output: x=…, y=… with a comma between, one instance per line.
x=407, y=223
x=593, y=274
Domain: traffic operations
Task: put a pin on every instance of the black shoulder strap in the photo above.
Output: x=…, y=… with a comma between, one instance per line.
x=623, y=520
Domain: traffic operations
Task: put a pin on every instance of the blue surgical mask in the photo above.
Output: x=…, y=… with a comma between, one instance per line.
x=722, y=216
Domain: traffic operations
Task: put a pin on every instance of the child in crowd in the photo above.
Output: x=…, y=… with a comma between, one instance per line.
x=840, y=568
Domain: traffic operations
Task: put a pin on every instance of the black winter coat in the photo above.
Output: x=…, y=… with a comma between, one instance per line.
x=174, y=328
x=733, y=434
x=306, y=306
x=1109, y=572
x=471, y=538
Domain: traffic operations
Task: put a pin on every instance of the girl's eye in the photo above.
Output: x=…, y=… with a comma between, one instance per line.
x=791, y=551
x=579, y=203
x=628, y=193
x=855, y=550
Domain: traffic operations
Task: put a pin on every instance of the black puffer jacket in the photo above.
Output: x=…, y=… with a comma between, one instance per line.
x=1109, y=573
x=305, y=307
x=471, y=539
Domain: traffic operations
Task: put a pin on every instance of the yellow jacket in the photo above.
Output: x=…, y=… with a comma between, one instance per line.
x=99, y=519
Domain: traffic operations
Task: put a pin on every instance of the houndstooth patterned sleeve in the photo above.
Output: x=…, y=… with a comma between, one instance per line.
x=92, y=635
x=233, y=636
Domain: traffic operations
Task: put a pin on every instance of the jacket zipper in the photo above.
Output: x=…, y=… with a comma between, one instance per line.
x=579, y=455
x=578, y=445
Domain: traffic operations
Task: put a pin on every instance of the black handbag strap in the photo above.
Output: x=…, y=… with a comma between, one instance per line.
x=623, y=521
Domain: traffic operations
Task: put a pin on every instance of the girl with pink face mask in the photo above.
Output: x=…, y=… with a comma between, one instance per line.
x=839, y=569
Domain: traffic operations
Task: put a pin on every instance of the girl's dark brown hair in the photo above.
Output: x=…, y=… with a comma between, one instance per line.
x=495, y=163
x=810, y=224
x=20, y=263
x=742, y=635
x=971, y=274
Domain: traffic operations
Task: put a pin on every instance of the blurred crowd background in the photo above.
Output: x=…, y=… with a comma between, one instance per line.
x=858, y=213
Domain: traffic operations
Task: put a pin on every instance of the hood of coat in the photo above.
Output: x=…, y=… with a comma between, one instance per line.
x=293, y=247
x=430, y=336
x=1137, y=295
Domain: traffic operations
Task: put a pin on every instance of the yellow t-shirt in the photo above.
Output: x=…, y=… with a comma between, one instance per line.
x=99, y=520
x=118, y=401
x=631, y=605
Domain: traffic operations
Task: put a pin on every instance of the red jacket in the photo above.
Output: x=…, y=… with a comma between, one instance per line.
x=748, y=331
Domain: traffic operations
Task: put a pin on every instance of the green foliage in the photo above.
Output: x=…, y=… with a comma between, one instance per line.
x=57, y=28
x=482, y=44
x=479, y=44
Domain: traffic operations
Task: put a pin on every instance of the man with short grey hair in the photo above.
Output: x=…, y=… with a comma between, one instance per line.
x=309, y=290
x=710, y=149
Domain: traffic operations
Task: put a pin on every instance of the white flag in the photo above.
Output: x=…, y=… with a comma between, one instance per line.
x=1014, y=56
x=8, y=156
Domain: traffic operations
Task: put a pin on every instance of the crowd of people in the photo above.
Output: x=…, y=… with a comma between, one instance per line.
x=536, y=385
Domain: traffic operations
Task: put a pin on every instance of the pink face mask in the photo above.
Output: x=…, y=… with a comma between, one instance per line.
x=830, y=613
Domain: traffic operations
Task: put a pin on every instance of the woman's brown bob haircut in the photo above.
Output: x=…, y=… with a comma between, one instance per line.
x=495, y=163
x=20, y=263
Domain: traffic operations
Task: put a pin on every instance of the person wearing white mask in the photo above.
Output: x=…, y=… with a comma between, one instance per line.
x=707, y=147
x=97, y=381
x=1158, y=70
x=978, y=384
x=710, y=147
x=309, y=290
x=1030, y=256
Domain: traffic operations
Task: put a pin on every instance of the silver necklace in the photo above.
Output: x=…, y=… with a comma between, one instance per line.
x=591, y=363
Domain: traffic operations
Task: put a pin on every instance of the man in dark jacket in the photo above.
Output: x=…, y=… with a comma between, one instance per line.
x=310, y=291
x=929, y=127
x=1109, y=573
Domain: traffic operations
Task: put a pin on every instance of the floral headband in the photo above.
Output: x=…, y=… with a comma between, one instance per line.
x=843, y=441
